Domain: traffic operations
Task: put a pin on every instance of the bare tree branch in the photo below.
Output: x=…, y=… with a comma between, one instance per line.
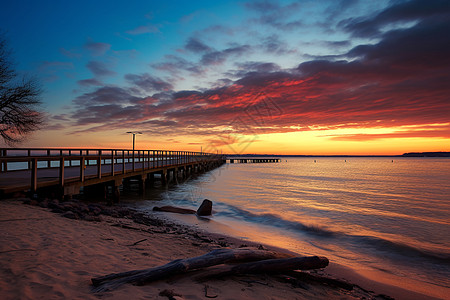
x=19, y=101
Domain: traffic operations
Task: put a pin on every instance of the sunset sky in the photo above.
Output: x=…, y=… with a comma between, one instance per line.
x=278, y=77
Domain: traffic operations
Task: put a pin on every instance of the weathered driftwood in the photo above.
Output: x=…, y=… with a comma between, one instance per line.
x=205, y=209
x=174, y=209
x=267, y=266
x=215, y=257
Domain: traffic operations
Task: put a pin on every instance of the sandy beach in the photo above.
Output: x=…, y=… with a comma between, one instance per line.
x=47, y=256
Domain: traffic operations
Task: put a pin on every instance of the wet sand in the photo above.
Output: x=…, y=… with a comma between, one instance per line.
x=44, y=255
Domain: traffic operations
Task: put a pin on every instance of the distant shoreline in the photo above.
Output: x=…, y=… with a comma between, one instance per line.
x=409, y=154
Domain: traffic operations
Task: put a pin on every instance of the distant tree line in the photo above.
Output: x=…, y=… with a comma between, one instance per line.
x=427, y=154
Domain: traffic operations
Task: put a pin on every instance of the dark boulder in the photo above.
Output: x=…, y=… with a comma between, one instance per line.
x=205, y=208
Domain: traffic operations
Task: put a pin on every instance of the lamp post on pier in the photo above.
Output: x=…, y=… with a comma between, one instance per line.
x=134, y=136
x=134, y=139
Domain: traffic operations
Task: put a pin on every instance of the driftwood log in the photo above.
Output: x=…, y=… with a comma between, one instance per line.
x=174, y=209
x=215, y=257
x=205, y=209
x=267, y=266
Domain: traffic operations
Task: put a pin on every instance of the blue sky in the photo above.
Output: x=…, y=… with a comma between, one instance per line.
x=65, y=42
x=103, y=62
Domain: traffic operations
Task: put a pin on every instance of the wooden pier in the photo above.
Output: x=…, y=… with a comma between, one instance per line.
x=253, y=160
x=67, y=170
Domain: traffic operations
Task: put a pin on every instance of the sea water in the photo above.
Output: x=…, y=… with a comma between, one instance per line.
x=385, y=214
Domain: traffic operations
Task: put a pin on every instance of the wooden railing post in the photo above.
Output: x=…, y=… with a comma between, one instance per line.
x=29, y=162
x=139, y=157
x=123, y=161
x=153, y=159
x=164, y=157
x=112, y=162
x=4, y=165
x=61, y=172
x=157, y=160
x=82, y=168
x=147, y=159
x=48, y=160
x=99, y=164
x=34, y=175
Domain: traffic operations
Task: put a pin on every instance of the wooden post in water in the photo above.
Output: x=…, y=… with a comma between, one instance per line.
x=151, y=179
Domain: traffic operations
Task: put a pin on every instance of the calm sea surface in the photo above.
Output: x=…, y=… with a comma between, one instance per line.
x=390, y=215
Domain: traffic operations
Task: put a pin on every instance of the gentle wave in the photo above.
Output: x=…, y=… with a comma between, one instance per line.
x=393, y=248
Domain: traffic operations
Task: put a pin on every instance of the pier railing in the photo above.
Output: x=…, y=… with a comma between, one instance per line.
x=108, y=162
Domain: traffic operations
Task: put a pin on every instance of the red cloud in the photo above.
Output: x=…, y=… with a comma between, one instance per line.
x=401, y=80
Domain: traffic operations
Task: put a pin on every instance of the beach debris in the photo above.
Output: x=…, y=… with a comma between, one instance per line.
x=205, y=209
x=262, y=261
